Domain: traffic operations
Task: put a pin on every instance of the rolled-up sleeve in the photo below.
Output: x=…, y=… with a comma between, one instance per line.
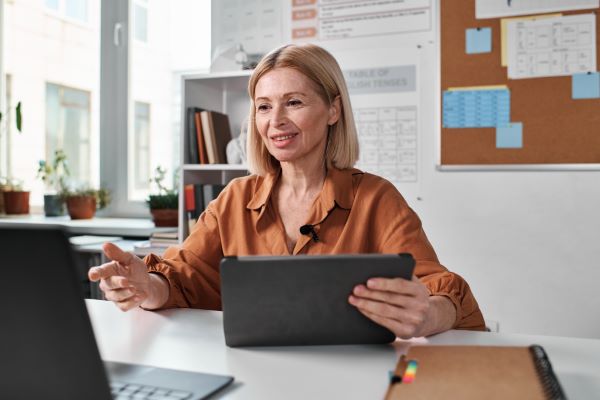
x=192, y=270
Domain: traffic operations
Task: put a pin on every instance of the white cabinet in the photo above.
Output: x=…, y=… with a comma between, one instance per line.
x=226, y=93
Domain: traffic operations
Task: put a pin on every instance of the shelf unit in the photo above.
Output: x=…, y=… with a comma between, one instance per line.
x=223, y=92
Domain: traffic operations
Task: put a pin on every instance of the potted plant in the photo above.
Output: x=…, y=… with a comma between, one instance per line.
x=163, y=205
x=83, y=203
x=16, y=200
x=7, y=184
x=54, y=176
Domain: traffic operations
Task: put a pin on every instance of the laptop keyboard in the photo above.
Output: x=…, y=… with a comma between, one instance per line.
x=122, y=391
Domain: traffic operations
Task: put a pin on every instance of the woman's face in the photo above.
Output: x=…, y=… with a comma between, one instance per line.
x=291, y=117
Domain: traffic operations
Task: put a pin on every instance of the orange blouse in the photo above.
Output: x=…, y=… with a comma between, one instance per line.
x=356, y=212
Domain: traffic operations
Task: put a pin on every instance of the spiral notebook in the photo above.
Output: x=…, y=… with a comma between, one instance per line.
x=474, y=372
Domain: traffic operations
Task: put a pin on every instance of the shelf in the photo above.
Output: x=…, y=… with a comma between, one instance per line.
x=214, y=167
x=227, y=93
x=219, y=75
x=136, y=227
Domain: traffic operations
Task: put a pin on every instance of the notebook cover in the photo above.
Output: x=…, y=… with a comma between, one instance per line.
x=469, y=372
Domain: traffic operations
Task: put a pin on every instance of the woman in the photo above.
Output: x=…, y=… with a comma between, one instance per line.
x=302, y=146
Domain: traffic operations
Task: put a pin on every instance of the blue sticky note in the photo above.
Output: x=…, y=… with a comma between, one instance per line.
x=586, y=85
x=475, y=108
x=479, y=40
x=510, y=136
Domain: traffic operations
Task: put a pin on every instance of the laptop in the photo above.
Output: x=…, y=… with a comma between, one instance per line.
x=302, y=300
x=47, y=345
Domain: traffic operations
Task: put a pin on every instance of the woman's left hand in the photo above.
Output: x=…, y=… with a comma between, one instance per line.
x=398, y=304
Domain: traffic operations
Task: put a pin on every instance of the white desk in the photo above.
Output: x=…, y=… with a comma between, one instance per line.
x=96, y=226
x=193, y=340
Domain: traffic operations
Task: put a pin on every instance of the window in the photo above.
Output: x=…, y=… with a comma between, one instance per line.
x=76, y=10
x=68, y=129
x=142, y=146
x=148, y=45
x=164, y=44
x=6, y=129
x=52, y=4
x=57, y=82
x=140, y=20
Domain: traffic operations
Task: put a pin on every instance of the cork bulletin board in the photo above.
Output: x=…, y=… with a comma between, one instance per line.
x=558, y=131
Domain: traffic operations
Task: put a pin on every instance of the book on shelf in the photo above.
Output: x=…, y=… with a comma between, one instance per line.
x=211, y=192
x=197, y=196
x=193, y=155
x=163, y=242
x=164, y=238
x=190, y=206
x=202, y=155
x=157, y=243
x=145, y=247
x=199, y=200
x=165, y=234
x=217, y=133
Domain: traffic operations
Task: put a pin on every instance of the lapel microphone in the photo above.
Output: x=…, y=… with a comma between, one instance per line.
x=309, y=230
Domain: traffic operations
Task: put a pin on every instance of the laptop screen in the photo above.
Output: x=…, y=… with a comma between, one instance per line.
x=48, y=345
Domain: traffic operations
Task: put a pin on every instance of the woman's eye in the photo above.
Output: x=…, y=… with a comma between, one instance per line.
x=294, y=103
x=263, y=107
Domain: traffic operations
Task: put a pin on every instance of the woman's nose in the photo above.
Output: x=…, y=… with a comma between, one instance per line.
x=278, y=116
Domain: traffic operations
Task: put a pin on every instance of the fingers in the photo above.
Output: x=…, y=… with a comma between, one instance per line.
x=395, y=298
x=413, y=316
x=114, y=252
x=398, y=304
x=128, y=300
x=114, y=282
x=119, y=295
x=122, y=279
x=118, y=290
x=397, y=285
x=125, y=294
x=103, y=271
x=400, y=329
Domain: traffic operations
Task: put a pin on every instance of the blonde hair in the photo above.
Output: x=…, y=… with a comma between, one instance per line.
x=320, y=67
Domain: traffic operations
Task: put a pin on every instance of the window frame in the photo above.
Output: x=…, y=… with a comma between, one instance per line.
x=115, y=110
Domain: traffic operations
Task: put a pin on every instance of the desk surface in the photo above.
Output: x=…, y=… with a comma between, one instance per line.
x=96, y=226
x=193, y=340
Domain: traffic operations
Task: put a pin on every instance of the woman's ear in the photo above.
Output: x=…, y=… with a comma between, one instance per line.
x=335, y=110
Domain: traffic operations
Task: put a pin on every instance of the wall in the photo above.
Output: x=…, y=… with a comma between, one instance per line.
x=527, y=242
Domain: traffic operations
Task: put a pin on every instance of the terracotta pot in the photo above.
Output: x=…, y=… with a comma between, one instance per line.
x=81, y=207
x=2, y=189
x=165, y=217
x=16, y=202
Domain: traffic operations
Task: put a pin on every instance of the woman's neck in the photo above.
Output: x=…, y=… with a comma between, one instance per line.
x=300, y=181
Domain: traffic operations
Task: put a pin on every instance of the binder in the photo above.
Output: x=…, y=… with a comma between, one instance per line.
x=474, y=372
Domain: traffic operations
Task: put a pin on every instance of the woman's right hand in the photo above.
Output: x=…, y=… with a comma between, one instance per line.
x=126, y=282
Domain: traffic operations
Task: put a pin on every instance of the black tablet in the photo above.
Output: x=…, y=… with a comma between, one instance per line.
x=302, y=300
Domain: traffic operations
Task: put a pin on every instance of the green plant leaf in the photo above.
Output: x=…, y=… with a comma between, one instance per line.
x=19, y=117
x=162, y=201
